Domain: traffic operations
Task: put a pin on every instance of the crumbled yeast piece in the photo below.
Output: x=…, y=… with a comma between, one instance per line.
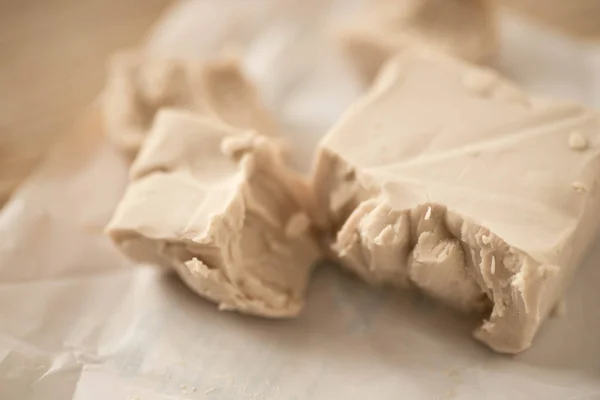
x=464, y=28
x=577, y=141
x=218, y=205
x=448, y=178
x=579, y=186
x=139, y=85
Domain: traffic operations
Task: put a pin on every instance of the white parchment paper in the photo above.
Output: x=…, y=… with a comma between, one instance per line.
x=78, y=321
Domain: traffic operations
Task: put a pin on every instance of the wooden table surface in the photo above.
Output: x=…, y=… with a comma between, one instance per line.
x=53, y=54
x=52, y=61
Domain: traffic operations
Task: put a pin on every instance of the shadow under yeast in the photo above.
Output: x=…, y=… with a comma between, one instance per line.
x=372, y=338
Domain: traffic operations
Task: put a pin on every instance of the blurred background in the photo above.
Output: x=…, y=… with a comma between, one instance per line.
x=53, y=55
x=52, y=64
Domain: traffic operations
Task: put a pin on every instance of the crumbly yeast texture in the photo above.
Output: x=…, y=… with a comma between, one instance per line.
x=218, y=205
x=448, y=178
